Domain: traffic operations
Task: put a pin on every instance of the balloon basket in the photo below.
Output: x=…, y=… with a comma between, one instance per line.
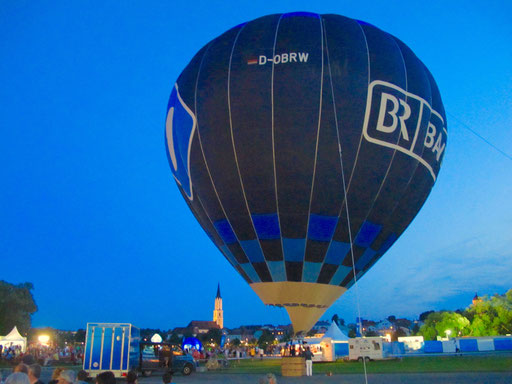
x=293, y=366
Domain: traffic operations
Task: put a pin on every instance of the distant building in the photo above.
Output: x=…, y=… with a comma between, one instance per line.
x=195, y=327
x=321, y=326
x=476, y=299
x=218, y=313
x=198, y=327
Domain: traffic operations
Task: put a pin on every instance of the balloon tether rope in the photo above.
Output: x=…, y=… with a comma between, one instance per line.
x=353, y=262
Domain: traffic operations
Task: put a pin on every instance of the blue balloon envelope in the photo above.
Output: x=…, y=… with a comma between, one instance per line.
x=304, y=145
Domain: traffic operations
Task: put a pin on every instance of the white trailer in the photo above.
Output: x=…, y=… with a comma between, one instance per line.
x=368, y=348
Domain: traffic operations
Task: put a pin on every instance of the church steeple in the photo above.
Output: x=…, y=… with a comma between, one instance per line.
x=218, y=315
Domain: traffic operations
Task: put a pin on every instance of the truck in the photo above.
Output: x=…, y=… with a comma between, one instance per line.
x=117, y=347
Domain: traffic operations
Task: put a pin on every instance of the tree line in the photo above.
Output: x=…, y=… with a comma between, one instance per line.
x=488, y=316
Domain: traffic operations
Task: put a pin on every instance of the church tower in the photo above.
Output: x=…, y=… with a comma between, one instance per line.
x=218, y=316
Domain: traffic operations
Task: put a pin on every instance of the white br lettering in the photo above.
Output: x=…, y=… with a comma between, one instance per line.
x=439, y=146
x=431, y=133
x=383, y=111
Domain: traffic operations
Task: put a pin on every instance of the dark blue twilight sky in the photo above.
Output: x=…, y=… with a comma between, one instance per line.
x=89, y=211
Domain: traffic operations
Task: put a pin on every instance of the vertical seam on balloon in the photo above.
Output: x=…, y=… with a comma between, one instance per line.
x=345, y=192
x=234, y=147
x=273, y=142
x=399, y=135
x=347, y=210
x=419, y=117
x=337, y=136
x=418, y=164
x=201, y=144
x=320, y=101
x=361, y=137
x=370, y=209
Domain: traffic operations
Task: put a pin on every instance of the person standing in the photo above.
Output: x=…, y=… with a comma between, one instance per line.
x=23, y=368
x=308, y=355
x=55, y=375
x=34, y=374
x=17, y=378
x=132, y=377
x=106, y=377
x=269, y=378
x=67, y=376
x=82, y=377
x=167, y=378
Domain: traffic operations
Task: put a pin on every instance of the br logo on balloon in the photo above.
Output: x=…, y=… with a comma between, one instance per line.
x=305, y=145
x=401, y=120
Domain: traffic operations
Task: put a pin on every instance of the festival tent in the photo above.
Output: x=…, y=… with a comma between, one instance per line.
x=335, y=333
x=156, y=338
x=12, y=339
x=339, y=341
x=332, y=345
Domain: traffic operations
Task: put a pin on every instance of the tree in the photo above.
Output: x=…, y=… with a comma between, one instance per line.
x=175, y=339
x=338, y=320
x=64, y=337
x=16, y=306
x=392, y=318
x=491, y=316
x=428, y=330
x=424, y=315
x=265, y=339
x=213, y=335
x=438, y=323
x=80, y=336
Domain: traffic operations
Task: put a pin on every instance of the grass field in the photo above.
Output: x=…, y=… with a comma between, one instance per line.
x=429, y=364
x=406, y=365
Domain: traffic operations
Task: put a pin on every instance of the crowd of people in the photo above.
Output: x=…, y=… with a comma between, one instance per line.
x=41, y=354
x=31, y=374
x=28, y=364
x=234, y=353
x=10, y=352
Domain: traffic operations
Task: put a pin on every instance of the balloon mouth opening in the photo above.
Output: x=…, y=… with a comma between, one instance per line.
x=304, y=302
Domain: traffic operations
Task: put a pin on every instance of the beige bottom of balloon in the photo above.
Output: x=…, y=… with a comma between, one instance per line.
x=304, y=302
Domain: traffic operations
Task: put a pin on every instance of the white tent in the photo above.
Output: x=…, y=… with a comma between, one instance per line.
x=335, y=333
x=323, y=347
x=14, y=338
x=156, y=338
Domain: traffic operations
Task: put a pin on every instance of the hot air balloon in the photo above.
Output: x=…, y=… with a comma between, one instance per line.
x=304, y=145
